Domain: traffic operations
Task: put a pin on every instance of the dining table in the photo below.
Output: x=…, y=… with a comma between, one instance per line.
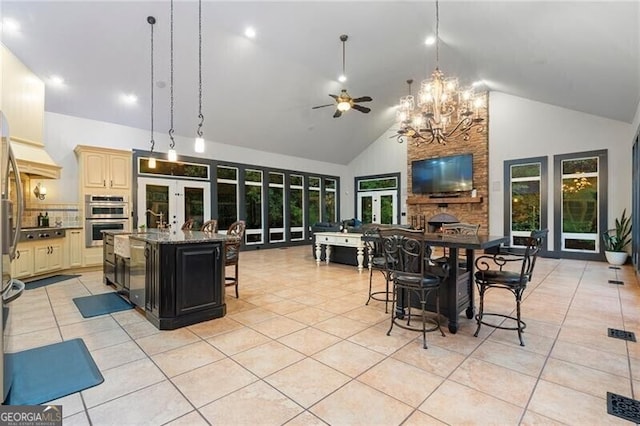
x=457, y=286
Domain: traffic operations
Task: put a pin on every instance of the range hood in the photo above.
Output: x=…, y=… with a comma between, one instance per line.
x=33, y=160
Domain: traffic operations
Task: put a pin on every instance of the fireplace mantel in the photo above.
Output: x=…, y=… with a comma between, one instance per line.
x=447, y=200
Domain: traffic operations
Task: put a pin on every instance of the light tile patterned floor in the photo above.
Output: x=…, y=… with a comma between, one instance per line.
x=300, y=347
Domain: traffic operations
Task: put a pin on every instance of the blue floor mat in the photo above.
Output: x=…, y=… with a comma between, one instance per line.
x=50, y=372
x=46, y=281
x=101, y=304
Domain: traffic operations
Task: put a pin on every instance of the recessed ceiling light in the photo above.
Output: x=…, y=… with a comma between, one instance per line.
x=430, y=40
x=56, y=80
x=342, y=78
x=129, y=98
x=10, y=26
x=250, y=32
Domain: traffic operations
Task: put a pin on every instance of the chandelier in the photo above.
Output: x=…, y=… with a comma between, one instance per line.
x=442, y=109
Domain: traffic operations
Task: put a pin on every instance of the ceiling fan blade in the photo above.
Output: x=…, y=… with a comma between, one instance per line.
x=363, y=99
x=337, y=114
x=361, y=108
x=334, y=96
x=322, y=106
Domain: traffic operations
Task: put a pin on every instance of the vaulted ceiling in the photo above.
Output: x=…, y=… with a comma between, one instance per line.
x=259, y=93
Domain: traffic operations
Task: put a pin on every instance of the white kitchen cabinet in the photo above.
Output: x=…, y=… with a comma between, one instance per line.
x=22, y=265
x=74, y=248
x=104, y=170
x=47, y=256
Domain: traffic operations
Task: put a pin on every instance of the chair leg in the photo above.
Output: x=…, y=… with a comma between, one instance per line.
x=393, y=308
x=370, y=280
x=236, y=267
x=423, y=303
x=438, y=310
x=518, y=299
x=481, y=290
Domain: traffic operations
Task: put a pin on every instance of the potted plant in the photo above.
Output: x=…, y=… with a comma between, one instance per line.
x=615, y=240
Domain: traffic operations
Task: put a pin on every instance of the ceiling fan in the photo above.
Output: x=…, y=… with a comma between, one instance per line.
x=344, y=102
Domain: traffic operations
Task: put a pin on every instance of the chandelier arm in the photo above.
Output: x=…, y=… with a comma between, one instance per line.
x=463, y=126
x=171, y=130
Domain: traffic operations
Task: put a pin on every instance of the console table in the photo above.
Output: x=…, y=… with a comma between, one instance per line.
x=348, y=239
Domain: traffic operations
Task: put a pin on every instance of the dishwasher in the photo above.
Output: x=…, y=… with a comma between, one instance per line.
x=138, y=263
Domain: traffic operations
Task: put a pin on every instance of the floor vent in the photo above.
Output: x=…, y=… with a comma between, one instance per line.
x=614, y=267
x=616, y=282
x=621, y=334
x=621, y=406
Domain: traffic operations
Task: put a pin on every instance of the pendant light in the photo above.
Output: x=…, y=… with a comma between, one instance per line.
x=199, y=144
x=171, y=155
x=152, y=160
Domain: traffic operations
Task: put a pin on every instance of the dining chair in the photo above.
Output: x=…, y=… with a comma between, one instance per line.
x=377, y=262
x=187, y=225
x=210, y=226
x=500, y=271
x=232, y=252
x=407, y=266
x=457, y=228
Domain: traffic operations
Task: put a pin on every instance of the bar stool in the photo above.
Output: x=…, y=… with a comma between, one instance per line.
x=499, y=278
x=210, y=226
x=232, y=252
x=406, y=248
x=378, y=262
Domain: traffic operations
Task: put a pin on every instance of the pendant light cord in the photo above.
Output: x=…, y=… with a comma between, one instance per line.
x=200, y=116
x=437, y=35
x=171, y=130
x=151, y=20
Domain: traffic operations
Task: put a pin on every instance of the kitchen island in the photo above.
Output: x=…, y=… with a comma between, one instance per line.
x=177, y=277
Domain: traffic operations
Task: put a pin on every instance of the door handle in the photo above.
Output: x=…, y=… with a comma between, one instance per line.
x=19, y=200
x=111, y=183
x=17, y=254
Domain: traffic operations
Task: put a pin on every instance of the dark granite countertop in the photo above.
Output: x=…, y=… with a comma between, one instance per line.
x=176, y=237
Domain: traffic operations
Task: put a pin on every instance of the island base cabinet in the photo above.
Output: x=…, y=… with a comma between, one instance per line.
x=184, y=284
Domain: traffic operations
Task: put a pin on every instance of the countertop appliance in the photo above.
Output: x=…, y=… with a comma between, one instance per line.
x=10, y=222
x=104, y=213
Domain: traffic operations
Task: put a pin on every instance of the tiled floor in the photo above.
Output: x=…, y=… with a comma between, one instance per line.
x=300, y=347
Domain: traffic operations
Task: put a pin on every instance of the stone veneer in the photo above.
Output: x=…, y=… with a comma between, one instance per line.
x=478, y=145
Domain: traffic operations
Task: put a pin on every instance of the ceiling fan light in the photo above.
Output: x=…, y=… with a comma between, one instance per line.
x=199, y=145
x=344, y=106
x=342, y=78
x=172, y=155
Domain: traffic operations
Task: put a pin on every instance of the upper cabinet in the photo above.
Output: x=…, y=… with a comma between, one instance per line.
x=22, y=99
x=104, y=170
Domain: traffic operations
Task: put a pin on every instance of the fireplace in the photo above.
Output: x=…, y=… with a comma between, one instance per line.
x=435, y=222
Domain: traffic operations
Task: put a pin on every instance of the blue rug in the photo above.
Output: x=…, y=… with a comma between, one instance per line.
x=101, y=304
x=50, y=372
x=46, y=281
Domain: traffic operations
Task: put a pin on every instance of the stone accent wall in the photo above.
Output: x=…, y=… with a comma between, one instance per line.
x=470, y=212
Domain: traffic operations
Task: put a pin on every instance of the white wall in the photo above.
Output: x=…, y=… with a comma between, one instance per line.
x=384, y=155
x=521, y=128
x=63, y=132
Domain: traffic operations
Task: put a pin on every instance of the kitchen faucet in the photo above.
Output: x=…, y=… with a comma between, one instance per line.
x=160, y=223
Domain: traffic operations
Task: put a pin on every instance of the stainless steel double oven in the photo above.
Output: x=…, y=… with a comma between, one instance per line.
x=104, y=213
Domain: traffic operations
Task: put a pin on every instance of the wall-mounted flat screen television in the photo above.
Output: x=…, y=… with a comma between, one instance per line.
x=442, y=175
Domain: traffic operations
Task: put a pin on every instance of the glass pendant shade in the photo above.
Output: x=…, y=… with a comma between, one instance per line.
x=172, y=155
x=152, y=163
x=199, y=145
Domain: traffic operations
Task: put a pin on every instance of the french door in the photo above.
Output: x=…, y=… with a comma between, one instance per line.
x=377, y=206
x=177, y=201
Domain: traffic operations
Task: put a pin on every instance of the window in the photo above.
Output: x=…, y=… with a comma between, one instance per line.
x=330, y=198
x=227, y=196
x=253, y=206
x=296, y=207
x=276, y=207
x=580, y=200
x=314, y=200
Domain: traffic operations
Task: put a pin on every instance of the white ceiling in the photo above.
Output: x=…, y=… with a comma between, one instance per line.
x=259, y=93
